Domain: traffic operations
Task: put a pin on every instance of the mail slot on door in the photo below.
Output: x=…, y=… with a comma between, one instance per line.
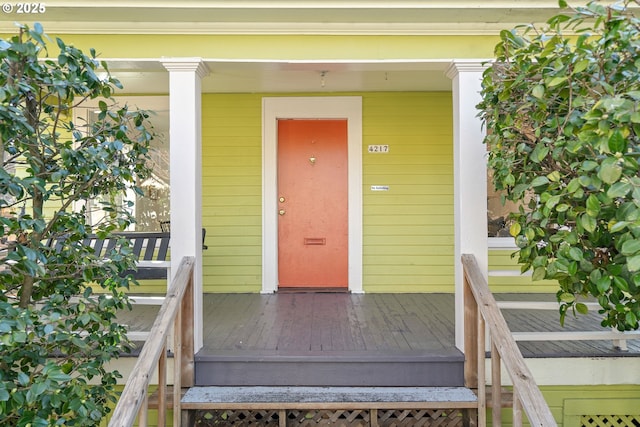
x=315, y=241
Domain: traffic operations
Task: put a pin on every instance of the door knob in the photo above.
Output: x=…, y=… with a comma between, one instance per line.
x=281, y=212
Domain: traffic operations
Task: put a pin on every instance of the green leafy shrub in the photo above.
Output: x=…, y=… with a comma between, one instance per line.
x=58, y=304
x=563, y=126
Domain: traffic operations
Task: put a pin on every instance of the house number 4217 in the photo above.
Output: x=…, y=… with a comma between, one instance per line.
x=378, y=148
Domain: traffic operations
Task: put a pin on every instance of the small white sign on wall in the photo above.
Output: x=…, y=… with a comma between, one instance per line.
x=379, y=149
x=379, y=188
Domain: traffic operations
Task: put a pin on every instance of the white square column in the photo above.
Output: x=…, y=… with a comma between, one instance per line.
x=185, y=136
x=470, y=178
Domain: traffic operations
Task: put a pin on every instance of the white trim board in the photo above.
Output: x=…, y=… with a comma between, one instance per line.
x=331, y=107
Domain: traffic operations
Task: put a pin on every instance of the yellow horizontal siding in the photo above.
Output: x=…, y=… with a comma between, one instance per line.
x=408, y=230
x=158, y=286
x=411, y=169
x=231, y=192
x=596, y=399
x=407, y=250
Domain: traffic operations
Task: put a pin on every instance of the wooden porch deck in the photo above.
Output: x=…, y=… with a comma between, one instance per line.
x=343, y=339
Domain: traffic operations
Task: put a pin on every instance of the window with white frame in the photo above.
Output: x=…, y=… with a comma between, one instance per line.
x=151, y=209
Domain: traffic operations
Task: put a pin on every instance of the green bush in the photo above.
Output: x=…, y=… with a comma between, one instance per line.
x=563, y=125
x=57, y=305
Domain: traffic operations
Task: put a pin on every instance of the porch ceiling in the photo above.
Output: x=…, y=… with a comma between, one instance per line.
x=149, y=76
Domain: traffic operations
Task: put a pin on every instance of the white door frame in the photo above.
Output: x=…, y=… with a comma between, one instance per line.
x=332, y=107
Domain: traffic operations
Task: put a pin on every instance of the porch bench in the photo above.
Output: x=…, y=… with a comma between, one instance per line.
x=149, y=248
x=283, y=398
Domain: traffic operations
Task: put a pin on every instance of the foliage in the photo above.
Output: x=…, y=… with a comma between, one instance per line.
x=563, y=138
x=58, y=304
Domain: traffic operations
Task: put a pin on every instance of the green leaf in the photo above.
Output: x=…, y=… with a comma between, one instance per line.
x=573, y=268
x=530, y=234
x=557, y=80
x=580, y=65
x=633, y=263
x=538, y=91
x=589, y=165
x=566, y=297
x=554, y=176
x=23, y=379
x=553, y=201
x=617, y=142
x=36, y=390
x=576, y=254
x=540, y=181
x=58, y=376
x=573, y=185
x=593, y=206
x=617, y=226
x=630, y=247
x=603, y=284
x=619, y=189
x=631, y=319
x=610, y=171
x=515, y=229
x=582, y=308
x=588, y=223
x=620, y=283
x=539, y=153
x=538, y=274
x=19, y=337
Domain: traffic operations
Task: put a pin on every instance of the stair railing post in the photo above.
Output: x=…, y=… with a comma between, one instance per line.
x=481, y=375
x=162, y=387
x=470, y=338
x=496, y=386
x=187, y=368
x=177, y=368
x=183, y=368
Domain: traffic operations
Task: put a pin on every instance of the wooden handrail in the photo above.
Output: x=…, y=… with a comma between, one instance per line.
x=481, y=310
x=177, y=309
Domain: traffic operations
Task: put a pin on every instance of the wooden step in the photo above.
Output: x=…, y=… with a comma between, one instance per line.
x=444, y=368
x=200, y=398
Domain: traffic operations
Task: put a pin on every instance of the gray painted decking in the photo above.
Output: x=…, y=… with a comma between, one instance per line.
x=326, y=322
x=335, y=339
x=342, y=339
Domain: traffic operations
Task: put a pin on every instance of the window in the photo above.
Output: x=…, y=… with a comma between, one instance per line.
x=152, y=208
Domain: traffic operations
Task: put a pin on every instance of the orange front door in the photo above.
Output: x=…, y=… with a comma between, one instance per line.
x=312, y=204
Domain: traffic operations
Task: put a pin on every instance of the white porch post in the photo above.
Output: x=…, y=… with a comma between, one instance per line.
x=470, y=178
x=185, y=133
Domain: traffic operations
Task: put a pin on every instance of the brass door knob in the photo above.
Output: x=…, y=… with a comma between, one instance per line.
x=281, y=212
